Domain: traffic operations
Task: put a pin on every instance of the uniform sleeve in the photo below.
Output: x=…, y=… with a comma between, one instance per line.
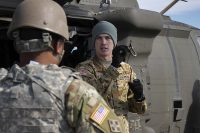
x=134, y=106
x=101, y=83
x=3, y=73
x=137, y=107
x=83, y=105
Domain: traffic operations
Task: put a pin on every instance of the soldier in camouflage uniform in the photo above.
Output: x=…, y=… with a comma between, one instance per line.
x=107, y=71
x=37, y=96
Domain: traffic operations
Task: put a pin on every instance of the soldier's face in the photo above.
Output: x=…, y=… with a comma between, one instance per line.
x=104, y=46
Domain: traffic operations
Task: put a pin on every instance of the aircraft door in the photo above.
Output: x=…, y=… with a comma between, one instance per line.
x=195, y=35
x=193, y=120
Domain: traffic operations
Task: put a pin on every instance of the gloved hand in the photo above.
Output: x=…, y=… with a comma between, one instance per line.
x=119, y=55
x=137, y=88
x=62, y=2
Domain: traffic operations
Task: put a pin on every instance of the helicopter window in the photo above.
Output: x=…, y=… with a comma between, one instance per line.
x=198, y=40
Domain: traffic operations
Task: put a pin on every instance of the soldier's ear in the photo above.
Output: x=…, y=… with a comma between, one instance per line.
x=58, y=47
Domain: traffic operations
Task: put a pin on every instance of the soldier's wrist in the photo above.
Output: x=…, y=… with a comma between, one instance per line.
x=142, y=98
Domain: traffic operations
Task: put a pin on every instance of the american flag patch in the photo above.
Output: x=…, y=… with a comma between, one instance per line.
x=99, y=114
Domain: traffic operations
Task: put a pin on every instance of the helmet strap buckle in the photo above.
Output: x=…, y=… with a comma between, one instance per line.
x=46, y=37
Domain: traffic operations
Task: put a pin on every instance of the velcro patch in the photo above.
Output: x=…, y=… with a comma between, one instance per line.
x=115, y=126
x=100, y=114
x=92, y=102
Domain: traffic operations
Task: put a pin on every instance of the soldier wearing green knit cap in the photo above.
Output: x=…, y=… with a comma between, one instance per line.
x=110, y=75
x=104, y=27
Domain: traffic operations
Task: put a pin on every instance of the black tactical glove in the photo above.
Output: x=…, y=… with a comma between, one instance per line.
x=137, y=88
x=62, y=2
x=119, y=55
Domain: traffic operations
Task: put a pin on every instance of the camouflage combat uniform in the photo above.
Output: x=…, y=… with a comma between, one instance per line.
x=47, y=98
x=112, y=84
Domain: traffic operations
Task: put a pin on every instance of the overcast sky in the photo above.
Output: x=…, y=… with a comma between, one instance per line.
x=186, y=12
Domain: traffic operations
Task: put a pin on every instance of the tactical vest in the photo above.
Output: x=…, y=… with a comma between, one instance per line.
x=32, y=100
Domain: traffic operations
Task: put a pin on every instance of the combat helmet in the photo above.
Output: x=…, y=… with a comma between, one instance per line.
x=44, y=15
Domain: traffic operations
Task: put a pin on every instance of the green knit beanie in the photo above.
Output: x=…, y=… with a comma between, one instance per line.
x=104, y=27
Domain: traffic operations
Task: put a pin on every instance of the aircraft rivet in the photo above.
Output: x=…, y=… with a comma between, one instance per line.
x=45, y=23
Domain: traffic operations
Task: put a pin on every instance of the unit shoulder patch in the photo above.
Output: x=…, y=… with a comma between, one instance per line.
x=115, y=126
